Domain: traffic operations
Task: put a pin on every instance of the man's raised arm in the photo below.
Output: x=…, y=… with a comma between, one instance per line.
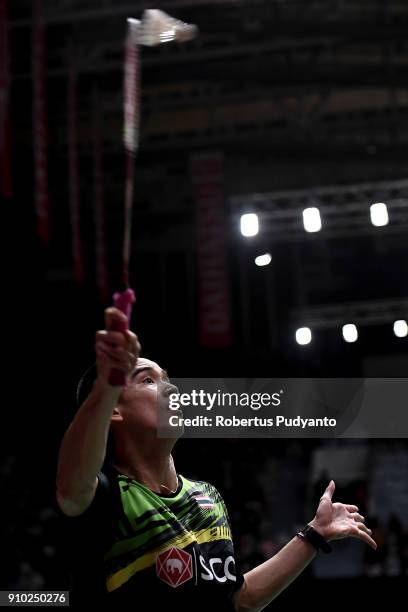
x=83, y=447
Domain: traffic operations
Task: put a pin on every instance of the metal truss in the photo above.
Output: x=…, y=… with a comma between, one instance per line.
x=344, y=211
x=373, y=312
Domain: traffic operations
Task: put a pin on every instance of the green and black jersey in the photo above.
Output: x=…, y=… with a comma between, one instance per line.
x=141, y=550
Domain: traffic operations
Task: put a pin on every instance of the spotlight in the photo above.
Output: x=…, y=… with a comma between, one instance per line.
x=303, y=336
x=350, y=333
x=379, y=214
x=311, y=219
x=263, y=260
x=401, y=328
x=249, y=225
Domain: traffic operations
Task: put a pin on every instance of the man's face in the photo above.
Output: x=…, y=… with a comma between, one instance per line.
x=147, y=386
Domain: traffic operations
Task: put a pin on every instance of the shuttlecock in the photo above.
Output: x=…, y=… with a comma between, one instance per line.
x=157, y=27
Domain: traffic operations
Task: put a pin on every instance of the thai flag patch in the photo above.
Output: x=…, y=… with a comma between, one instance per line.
x=204, y=501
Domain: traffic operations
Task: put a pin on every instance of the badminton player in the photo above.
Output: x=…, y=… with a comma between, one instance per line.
x=142, y=536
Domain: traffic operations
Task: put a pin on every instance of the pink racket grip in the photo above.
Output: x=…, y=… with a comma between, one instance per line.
x=124, y=302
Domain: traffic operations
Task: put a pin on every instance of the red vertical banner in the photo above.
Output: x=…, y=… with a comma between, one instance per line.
x=40, y=124
x=74, y=198
x=214, y=306
x=5, y=145
x=99, y=208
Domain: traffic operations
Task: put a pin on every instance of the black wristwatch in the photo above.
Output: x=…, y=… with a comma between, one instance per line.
x=315, y=539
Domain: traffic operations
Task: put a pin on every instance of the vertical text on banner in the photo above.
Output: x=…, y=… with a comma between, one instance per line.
x=5, y=144
x=74, y=199
x=214, y=309
x=40, y=124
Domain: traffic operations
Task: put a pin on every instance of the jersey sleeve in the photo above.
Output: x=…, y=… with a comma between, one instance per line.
x=84, y=539
x=93, y=524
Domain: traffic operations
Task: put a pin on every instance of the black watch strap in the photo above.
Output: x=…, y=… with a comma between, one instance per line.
x=315, y=539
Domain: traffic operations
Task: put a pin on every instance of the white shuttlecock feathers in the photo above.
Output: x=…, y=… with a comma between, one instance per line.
x=156, y=27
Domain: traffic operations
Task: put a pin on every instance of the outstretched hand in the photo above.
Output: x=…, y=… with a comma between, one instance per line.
x=115, y=350
x=335, y=521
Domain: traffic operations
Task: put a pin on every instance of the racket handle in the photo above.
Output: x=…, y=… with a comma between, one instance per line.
x=124, y=302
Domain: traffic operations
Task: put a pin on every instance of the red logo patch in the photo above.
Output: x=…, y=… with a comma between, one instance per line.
x=174, y=566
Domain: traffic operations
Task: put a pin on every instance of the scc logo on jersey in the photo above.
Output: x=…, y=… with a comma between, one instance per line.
x=174, y=567
x=217, y=569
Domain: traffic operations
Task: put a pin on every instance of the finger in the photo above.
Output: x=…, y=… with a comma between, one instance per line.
x=330, y=490
x=357, y=517
x=114, y=316
x=112, y=337
x=364, y=528
x=114, y=351
x=117, y=357
x=133, y=343
x=361, y=535
x=132, y=360
x=351, y=508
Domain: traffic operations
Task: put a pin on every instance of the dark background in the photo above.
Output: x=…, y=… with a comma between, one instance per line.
x=308, y=103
